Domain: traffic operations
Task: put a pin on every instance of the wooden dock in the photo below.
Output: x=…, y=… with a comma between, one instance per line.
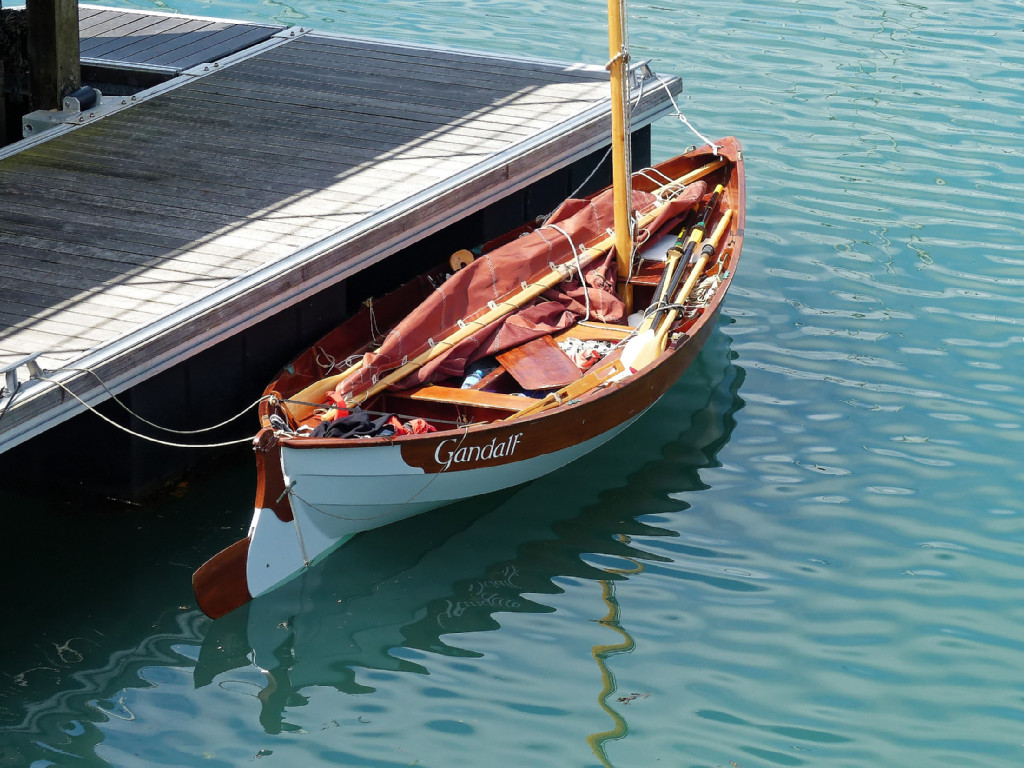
x=271, y=164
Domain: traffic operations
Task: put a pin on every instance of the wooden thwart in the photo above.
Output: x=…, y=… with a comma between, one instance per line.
x=589, y=331
x=455, y=396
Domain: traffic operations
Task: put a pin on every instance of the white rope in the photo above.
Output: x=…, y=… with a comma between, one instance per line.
x=682, y=117
x=134, y=415
x=581, y=186
x=375, y=332
x=579, y=267
x=10, y=399
x=141, y=436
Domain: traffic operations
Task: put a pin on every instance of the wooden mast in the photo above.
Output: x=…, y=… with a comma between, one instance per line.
x=618, y=65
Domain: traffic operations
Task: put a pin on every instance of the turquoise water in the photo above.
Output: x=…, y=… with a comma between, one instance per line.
x=809, y=553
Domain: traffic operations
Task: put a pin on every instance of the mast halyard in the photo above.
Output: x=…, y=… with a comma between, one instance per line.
x=622, y=181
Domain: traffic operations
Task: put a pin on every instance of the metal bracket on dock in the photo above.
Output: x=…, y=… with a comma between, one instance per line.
x=641, y=71
x=83, y=105
x=10, y=373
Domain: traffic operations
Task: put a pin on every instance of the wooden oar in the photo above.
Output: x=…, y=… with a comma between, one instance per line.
x=645, y=332
x=571, y=391
x=679, y=255
x=682, y=250
x=641, y=351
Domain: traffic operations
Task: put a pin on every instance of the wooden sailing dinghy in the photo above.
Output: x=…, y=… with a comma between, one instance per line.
x=569, y=330
x=378, y=421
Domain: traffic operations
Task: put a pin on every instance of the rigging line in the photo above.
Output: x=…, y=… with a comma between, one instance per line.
x=597, y=166
x=133, y=433
x=682, y=117
x=145, y=421
x=10, y=400
x=586, y=180
x=579, y=267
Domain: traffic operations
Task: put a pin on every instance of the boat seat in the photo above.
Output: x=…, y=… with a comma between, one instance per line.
x=648, y=274
x=595, y=332
x=455, y=396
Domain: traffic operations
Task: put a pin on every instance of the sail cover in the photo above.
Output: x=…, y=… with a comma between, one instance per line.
x=500, y=274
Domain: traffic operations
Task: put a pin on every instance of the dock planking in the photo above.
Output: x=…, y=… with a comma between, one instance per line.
x=172, y=41
x=231, y=192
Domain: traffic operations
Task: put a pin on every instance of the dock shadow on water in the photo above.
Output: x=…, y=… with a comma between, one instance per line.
x=114, y=623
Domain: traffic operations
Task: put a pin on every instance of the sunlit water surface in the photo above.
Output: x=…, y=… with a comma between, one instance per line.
x=808, y=554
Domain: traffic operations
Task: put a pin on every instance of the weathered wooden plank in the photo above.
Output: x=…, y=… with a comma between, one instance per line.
x=308, y=150
x=161, y=47
x=116, y=249
x=117, y=260
x=133, y=206
x=245, y=173
x=116, y=34
x=405, y=97
x=136, y=141
x=472, y=77
x=214, y=46
x=45, y=266
x=88, y=17
x=85, y=221
x=404, y=54
x=198, y=36
x=51, y=297
x=162, y=32
x=136, y=172
x=166, y=39
x=83, y=326
x=471, y=70
x=142, y=287
x=223, y=201
x=55, y=346
x=104, y=23
x=280, y=126
x=53, y=339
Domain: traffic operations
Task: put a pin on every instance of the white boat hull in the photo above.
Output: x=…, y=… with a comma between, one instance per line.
x=336, y=493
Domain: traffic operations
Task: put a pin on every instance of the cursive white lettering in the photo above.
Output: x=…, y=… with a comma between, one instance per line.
x=447, y=455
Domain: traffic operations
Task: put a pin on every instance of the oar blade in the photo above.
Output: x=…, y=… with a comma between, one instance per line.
x=637, y=352
x=220, y=584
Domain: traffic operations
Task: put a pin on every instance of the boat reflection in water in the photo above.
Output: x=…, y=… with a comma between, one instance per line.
x=419, y=583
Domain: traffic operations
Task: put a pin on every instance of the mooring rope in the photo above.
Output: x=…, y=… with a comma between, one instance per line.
x=682, y=117
x=10, y=399
x=145, y=421
x=139, y=435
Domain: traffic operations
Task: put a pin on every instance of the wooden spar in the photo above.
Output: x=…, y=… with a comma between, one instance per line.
x=622, y=183
x=315, y=392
